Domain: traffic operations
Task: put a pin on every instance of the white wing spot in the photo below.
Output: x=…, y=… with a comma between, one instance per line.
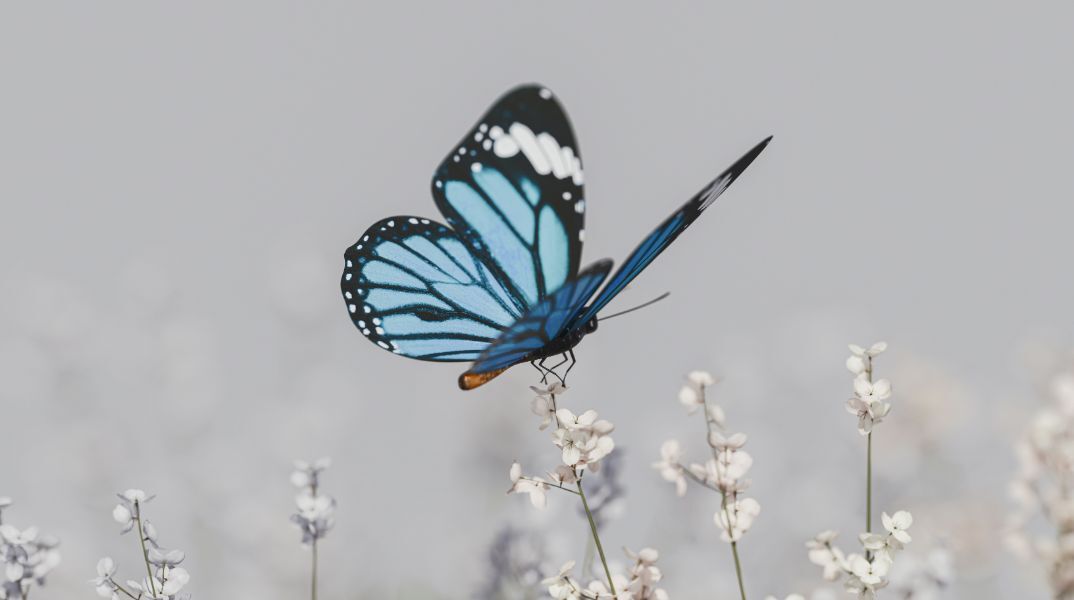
x=376, y=321
x=391, y=223
x=348, y=276
x=487, y=144
x=380, y=330
x=482, y=128
x=476, y=167
x=412, y=221
x=424, y=221
x=383, y=345
x=713, y=191
x=353, y=308
x=545, y=93
x=366, y=309
x=361, y=324
x=365, y=332
x=348, y=295
x=581, y=235
x=566, y=195
x=579, y=207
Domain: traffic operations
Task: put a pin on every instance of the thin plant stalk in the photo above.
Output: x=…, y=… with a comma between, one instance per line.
x=313, y=582
x=869, y=467
x=145, y=551
x=596, y=538
x=723, y=502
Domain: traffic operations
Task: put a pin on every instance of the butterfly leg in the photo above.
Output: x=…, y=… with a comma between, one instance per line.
x=553, y=368
x=540, y=369
x=574, y=361
x=545, y=370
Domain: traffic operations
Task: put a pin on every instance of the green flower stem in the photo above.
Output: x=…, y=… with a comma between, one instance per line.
x=145, y=551
x=869, y=485
x=734, y=549
x=596, y=538
x=313, y=582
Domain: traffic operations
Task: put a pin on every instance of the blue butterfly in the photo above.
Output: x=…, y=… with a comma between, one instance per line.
x=501, y=283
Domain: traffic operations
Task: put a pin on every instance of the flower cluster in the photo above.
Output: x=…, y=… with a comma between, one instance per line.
x=869, y=403
x=27, y=557
x=639, y=583
x=316, y=510
x=1044, y=489
x=583, y=440
x=164, y=579
x=866, y=572
x=725, y=472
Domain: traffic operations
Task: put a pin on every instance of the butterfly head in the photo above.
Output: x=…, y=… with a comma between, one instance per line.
x=590, y=326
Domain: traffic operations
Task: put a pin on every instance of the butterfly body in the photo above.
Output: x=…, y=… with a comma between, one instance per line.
x=500, y=283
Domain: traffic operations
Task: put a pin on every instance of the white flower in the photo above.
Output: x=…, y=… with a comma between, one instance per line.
x=128, y=511
x=561, y=586
x=544, y=403
x=872, y=392
x=897, y=525
x=535, y=487
x=826, y=556
x=869, y=414
x=583, y=439
x=874, y=350
x=870, y=573
x=719, y=442
x=701, y=379
x=737, y=518
x=106, y=570
x=165, y=558
x=692, y=395
x=670, y=467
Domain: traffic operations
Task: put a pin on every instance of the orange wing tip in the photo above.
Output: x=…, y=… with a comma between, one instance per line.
x=470, y=380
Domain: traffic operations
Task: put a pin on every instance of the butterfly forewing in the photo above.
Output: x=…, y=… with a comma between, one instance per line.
x=665, y=233
x=413, y=287
x=512, y=189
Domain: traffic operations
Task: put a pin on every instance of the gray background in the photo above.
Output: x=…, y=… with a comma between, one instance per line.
x=179, y=181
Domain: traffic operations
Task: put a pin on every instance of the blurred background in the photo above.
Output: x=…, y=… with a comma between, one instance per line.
x=179, y=182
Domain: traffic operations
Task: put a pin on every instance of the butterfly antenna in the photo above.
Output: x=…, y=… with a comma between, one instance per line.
x=638, y=307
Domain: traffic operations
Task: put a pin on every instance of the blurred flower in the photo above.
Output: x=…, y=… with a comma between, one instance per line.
x=307, y=474
x=515, y=558
x=826, y=556
x=1043, y=492
x=670, y=467
x=639, y=583
x=692, y=395
x=27, y=557
x=790, y=597
x=316, y=510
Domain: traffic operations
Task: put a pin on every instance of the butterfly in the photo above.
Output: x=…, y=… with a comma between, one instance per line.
x=501, y=282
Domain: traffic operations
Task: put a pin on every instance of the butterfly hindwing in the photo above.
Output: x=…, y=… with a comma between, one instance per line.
x=666, y=233
x=543, y=322
x=413, y=287
x=512, y=189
